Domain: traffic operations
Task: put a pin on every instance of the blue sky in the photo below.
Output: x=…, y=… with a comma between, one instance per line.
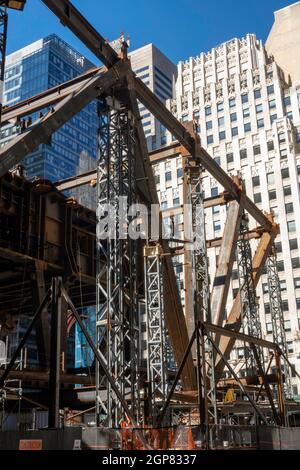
x=180, y=28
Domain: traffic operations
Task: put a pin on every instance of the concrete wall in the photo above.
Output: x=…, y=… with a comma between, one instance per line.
x=284, y=41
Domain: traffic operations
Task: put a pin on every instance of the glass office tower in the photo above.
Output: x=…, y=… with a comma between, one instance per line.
x=33, y=69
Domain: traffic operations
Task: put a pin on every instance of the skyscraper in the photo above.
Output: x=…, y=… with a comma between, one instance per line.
x=159, y=74
x=33, y=69
x=247, y=114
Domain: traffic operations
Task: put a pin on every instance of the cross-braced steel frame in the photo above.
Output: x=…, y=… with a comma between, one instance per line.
x=117, y=310
x=201, y=286
x=157, y=360
x=277, y=315
x=250, y=314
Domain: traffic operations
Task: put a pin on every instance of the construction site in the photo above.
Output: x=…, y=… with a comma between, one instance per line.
x=58, y=258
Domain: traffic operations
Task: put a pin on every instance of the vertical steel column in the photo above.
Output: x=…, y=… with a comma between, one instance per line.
x=277, y=316
x=55, y=353
x=3, y=40
x=156, y=330
x=250, y=314
x=201, y=282
x=117, y=308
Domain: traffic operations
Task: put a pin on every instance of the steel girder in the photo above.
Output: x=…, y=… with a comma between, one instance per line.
x=225, y=262
x=117, y=315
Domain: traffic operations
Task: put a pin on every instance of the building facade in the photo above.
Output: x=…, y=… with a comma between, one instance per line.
x=33, y=69
x=248, y=119
x=159, y=74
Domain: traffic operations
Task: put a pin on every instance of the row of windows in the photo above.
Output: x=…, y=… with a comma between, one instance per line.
x=169, y=176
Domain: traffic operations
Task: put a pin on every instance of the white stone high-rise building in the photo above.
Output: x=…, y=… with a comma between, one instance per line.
x=249, y=121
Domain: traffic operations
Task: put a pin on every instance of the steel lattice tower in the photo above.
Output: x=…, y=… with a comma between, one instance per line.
x=279, y=335
x=117, y=300
x=201, y=284
x=157, y=360
x=250, y=314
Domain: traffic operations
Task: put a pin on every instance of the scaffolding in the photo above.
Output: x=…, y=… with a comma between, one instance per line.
x=117, y=307
x=250, y=314
x=157, y=360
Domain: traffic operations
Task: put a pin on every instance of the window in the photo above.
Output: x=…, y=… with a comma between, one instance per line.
x=214, y=192
x=287, y=101
x=283, y=153
x=289, y=208
x=245, y=98
x=270, y=90
x=168, y=176
x=157, y=179
x=176, y=202
x=265, y=288
x=247, y=127
x=291, y=226
x=217, y=160
x=287, y=325
x=290, y=347
x=287, y=190
x=229, y=157
x=297, y=282
x=164, y=205
x=256, y=181
x=280, y=266
x=232, y=103
x=256, y=150
x=257, y=94
x=269, y=328
x=217, y=225
x=272, y=104
x=216, y=210
x=260, y=123
x=179, y=172
x=273, y=118
x=257, y=198
x=270, y=178
x=185, y=118
x=298, y=170
x=259, y=108
x=285, y=306
x=283, y=286
x=243, y=154
x=295, y=263
x=220, y=107
x=208, y=111
x=221, y=121
x=272, y=195
x=278, y=246
x=267, y=308
x=222, y=135
x=235, y=275
x=270, y=145
x=209, y=125
x=294, y=244
x=210, y=139
x=281, y=138
x=285, y=173
x=234, y=131
x=246, y=112
x=233, y=117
